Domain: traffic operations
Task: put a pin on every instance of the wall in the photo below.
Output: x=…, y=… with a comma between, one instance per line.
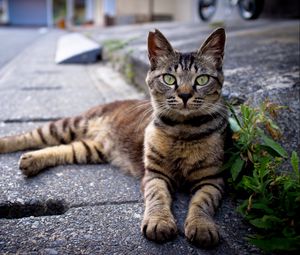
x=185, y=10
x=142, y=7
x=164, y=7
x=180, y=10
x=132, y=7
x=29, y=12
x=99, y=12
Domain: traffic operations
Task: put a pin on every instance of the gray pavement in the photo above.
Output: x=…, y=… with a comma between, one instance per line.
x=44, y=90
x=14, y=40
x=95, y=209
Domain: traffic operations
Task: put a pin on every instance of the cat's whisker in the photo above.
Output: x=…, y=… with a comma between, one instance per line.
x=146, y=112
x=214, y=110
x=217, y=107
x=137, y=107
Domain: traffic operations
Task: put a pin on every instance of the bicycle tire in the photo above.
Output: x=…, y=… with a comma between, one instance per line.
x=254, y=12
x=202, y=5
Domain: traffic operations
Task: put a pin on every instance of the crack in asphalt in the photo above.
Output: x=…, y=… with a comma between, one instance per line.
x=28, y=120
x=136, y=201
x=40, y=208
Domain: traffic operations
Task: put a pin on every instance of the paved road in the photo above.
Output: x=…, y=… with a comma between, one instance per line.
x=15, y=40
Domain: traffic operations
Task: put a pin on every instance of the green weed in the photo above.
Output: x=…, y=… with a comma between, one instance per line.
x=117, y=44
x=122, y=62
x=271, y=194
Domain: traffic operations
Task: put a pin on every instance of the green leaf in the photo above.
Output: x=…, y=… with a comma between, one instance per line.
x=242, y=208
x=287, y=185
x=272, y=124
x=295, y=162
x=233, y=113
x=234, y=125
x=250, y=183
x=289, y=232
x=277, y=244
x=236, y=168
x=274, y=145
x=266, y=222
x=263, y=207
x=227, y=165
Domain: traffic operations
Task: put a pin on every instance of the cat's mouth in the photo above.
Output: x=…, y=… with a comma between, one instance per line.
x=185, y=105
x=185, y=108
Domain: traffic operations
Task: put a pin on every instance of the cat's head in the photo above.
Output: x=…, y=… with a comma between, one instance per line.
x=185, y=83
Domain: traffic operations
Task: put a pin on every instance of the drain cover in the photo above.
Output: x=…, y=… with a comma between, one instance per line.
x=75, y=48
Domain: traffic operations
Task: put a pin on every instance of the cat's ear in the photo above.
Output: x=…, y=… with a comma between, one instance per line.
x=158, y=47
x=213, y=47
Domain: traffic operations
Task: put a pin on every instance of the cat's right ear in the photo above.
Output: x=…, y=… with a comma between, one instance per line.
x=213, y=47
x=159, y=48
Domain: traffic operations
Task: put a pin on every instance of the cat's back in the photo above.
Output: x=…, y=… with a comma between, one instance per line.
x=117, y=107
x=120, y=127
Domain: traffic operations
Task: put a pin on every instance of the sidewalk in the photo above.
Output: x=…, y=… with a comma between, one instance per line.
x=95, y=209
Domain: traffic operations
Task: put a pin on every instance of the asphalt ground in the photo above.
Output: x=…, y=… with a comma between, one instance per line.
x=14, y=40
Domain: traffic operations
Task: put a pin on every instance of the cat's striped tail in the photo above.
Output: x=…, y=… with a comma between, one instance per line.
x=58, y=132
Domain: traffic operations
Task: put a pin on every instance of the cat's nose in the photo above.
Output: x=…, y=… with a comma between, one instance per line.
x=185, y=97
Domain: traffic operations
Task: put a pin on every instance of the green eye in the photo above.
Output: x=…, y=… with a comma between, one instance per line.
x=202, y=80
x=169, y=79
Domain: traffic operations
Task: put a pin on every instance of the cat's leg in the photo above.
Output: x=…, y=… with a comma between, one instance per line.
x=78, y=152
x=54, y=133
x=158, y=223
x=200, y=227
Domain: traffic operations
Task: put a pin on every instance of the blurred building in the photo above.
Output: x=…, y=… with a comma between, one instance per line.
x=100, y=12
x=154, y=10
x=115, y=12
x=49, y=12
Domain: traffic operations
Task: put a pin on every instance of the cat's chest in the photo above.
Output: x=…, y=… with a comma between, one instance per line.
x=184, y=150
x=175, y=153
x=181, y=155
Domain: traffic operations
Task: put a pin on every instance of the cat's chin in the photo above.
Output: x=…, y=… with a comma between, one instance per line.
x=185, y=111
x=188, y=111
x=181, y=109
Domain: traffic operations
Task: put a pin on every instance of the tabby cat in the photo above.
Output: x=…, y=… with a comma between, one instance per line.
x=173, y=141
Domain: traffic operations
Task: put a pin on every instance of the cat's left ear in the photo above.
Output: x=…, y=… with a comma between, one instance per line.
x=214, y=46
x=158, y=47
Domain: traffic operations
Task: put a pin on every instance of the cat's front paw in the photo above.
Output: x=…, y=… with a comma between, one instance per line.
x=30, y=165
x=202, y=232
x=159, y=229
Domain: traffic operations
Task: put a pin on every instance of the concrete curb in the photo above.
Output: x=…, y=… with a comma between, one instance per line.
x=75, y=48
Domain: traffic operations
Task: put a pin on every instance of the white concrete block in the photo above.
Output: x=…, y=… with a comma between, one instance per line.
x=75, y=48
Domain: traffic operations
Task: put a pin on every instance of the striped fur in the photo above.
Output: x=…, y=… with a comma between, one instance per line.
x=174, y=140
